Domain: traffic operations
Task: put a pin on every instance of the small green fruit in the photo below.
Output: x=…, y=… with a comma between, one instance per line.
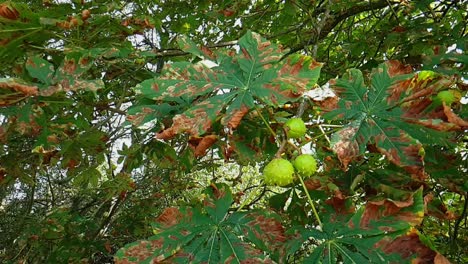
x=448, y=97
x=305, y=164
x=278, y=172
x=295, y=128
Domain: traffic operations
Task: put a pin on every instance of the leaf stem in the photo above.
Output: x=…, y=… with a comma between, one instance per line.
x=266, y=123
x=310, y=201
x=246, y=201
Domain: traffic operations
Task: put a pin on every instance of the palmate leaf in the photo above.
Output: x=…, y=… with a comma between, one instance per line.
x=229, y=90
x=207, y=234
x=375, y=119
x=362, y=238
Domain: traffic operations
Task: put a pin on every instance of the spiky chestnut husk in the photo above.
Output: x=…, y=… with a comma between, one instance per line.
x=295, y=128
x=305, y=165
x=448, y=97
x=279, y=172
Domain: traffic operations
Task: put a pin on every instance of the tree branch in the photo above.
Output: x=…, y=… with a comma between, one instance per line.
x=334, y=18
x=179, y=52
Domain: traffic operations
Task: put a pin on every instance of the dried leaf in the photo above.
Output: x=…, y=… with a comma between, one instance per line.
x=397, y=209
x=14, y=85
x=454, y=119
x=169, y=217
x=235, y=117
x=201, y=144
x=411, y=245
x=436, y=208
x=345, y=145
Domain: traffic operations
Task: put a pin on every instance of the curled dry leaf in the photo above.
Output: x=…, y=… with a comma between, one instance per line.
x=454, y=119
x=170, y=217
x=346, y=147
x=27, y=90
x=9, y=12
x=85, y=14
x=201, y=144
x=235, y=118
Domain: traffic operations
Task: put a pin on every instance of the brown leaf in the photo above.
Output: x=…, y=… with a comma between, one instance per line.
x=218, y=193
x=170, y=217
x=340, y=205
x=377, y=209
x=3, y=135
x=26, y=90
x=276, y=88
x=436, y=124
x=9, y=12
x=200, y=144
x=454, y=119
x=208, y=52
x=72, y=163
x=235, y=118
x=2, y=174
x=347, y=148
x=271, y=230
x=411, y=153
x=440, y=259
x=182, y=123
x=312, y=183
x=108, y=246
x=437, y=208
x=397, y=68
x=328, y=104
x=85, y=14
x=141, y=251
x=409, y=245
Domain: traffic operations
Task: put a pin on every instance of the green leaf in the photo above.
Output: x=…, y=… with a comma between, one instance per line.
x=373, y=120
x=188, y=45
x=254, y=75
x=90, y=176
x=208, y=234
x=357, y=241
x=40, y=69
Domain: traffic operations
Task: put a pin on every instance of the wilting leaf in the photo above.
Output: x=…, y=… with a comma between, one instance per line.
x=196, y=120
x=201, y=144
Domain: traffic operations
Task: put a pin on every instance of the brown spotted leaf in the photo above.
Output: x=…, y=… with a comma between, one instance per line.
x=230, y=87
x=411, y=247
x=196, y=120
x=410, y=210
x=345, y=145
x=375, y=117
x=15, y=90
x=208, y=233
x=40, y=69
x=360, y=238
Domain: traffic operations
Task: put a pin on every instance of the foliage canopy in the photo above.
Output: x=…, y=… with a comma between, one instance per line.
x=137, y=131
